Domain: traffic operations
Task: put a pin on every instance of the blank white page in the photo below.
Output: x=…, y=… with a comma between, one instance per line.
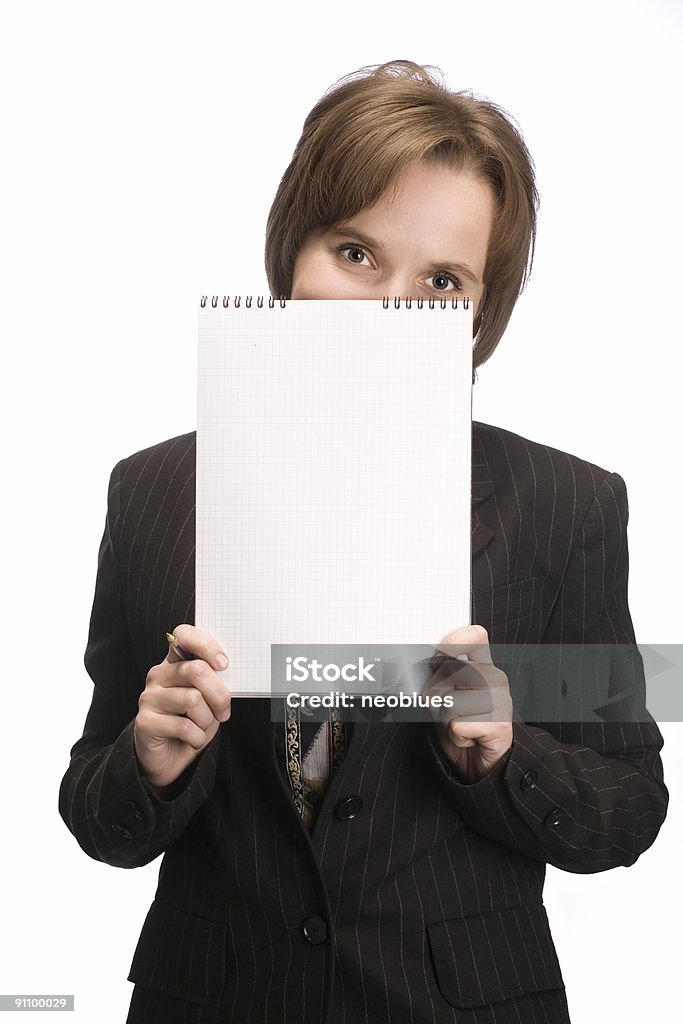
x=333, y=476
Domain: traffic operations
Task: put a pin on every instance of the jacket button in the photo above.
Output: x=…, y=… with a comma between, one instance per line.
x=553, y=819
x=314, y=929
x=135, y=810
x=126, y=833
x=348, y=808
x=528, y=781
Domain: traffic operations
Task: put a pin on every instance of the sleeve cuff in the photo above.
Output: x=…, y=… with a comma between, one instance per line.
x=140, y=819
x=511, y=805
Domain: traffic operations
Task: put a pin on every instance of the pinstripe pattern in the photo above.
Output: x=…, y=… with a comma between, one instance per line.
x=432, y=894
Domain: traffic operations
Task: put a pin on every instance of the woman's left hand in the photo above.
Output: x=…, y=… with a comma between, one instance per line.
x=476, y=730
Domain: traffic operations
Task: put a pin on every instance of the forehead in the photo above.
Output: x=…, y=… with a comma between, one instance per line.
x=429, y=212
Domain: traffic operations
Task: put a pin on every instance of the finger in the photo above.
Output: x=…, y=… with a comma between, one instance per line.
x=194, y=674
x=477, y=706
x=152, y=726
x=465, y=675
x=472, y=641
x=480, y=727
x=179, y=700
x=457, y=738
x=199, y=644
x=472, y=704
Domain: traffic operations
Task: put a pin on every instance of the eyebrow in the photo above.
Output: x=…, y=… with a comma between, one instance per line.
x=458, y=269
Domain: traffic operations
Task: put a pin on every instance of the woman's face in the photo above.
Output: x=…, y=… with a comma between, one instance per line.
x=429, y=236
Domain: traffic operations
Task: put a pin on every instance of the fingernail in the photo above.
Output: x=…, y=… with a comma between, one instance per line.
x=221, y=661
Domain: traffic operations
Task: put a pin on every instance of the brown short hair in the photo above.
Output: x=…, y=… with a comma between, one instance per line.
x=365, y=131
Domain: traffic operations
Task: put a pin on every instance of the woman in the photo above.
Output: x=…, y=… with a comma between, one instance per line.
x=405, y=881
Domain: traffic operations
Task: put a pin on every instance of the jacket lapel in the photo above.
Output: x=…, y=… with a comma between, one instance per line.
x=482, y=488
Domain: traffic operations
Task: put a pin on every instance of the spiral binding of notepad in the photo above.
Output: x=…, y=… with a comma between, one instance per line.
x=431, y=302
x=398, y=303
x=237, y=300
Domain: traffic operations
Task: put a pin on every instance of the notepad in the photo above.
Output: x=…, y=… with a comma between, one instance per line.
x=333, y=475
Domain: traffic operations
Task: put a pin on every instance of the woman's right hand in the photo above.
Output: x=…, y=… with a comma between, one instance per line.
x=181, y=707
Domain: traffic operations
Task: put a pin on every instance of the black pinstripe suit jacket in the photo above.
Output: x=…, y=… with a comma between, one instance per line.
x=426, y=906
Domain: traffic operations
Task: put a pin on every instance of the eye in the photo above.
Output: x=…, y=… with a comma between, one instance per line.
x=441, y=281
x=352, y=253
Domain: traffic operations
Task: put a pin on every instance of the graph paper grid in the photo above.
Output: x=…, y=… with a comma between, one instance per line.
x=333, y=477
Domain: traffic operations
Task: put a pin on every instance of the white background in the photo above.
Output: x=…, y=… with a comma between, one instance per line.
x=142, y=144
